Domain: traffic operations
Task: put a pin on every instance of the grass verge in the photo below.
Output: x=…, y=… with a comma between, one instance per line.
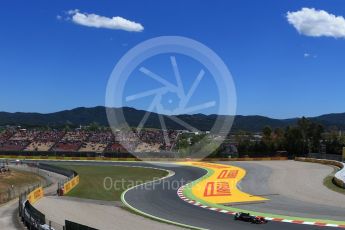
x=109, y=182
x=328, y=182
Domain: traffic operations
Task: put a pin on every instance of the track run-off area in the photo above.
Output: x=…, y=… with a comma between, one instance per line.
x=218, y=191
x=203, y=195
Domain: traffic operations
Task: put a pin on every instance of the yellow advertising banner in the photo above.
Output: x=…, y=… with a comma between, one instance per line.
x=220, y=187
x=35, y=195
x=68, y=186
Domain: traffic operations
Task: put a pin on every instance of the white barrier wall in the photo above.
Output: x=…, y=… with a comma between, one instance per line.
x=340, y=177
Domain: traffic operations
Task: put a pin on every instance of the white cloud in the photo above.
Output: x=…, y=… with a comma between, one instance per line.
x=317, y=23
x=71, y=12
x=309, y=55
x=98, y=21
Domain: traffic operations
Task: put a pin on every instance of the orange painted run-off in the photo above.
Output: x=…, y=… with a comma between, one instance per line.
x=221, y=186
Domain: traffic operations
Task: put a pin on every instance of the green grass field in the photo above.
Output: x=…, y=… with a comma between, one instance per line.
x=94, y=185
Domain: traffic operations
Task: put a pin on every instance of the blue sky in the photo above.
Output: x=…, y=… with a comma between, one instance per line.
x=49, y=63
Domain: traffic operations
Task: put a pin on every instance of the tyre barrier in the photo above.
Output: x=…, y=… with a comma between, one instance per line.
x=339, y=177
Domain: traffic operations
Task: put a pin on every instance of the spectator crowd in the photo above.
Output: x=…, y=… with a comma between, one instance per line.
x=82, y=140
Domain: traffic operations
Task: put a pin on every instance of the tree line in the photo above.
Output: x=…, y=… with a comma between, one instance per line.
x=298, y=140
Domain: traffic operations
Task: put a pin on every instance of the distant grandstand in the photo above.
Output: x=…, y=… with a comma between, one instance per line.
x=79, y=140
x=103, y=142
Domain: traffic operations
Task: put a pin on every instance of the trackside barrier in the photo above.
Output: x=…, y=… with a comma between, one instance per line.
x=72, y=175
x=248, y=159
x=69, y=185
x=56, y=169
x=75, y=226
x=135, y=159
x=326, y=156
x=339, y=177
x=35, y=195
x=31, y=217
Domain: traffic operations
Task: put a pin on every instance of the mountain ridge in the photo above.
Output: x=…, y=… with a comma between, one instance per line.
x=87, y=115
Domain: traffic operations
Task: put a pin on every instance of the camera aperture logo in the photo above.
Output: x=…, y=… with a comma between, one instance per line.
x=169, y=79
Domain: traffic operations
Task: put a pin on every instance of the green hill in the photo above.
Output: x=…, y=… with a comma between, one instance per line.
x=86, y=116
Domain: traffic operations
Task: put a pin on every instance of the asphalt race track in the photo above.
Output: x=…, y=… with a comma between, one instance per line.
x=160, y=199
x=165, y=204
x=293, y=188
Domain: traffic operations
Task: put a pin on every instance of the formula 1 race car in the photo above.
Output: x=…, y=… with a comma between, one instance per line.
x=246, y=217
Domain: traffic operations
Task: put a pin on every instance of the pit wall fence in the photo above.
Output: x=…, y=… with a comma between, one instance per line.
x=339, y=177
